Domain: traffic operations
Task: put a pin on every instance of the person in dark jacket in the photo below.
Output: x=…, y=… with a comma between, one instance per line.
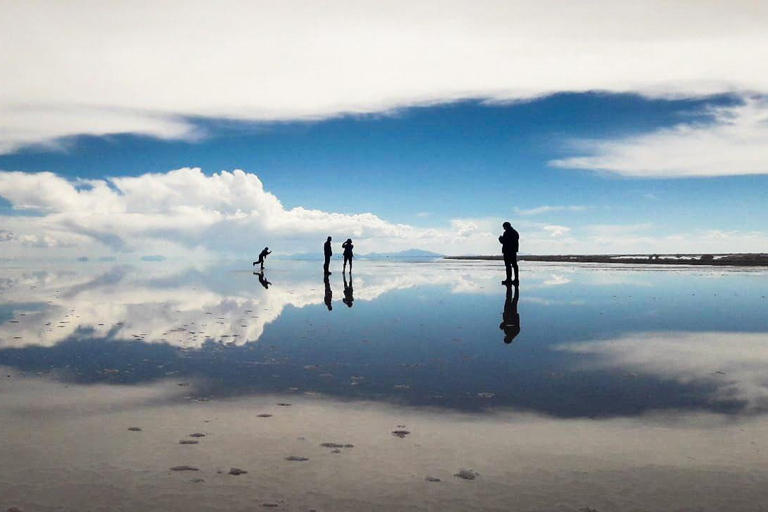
x=347, y=255
x=327, y=252
x=262, y=257
x=510, y=242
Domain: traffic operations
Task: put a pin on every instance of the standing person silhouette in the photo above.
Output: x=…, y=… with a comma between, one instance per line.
x=327, y=252
x=510, y=242
x=347, y=255
x=262, y=257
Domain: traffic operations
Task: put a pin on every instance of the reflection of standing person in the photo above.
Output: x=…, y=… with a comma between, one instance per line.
x=349, y=297
x=328, y=299
x=262, y=256
x=347, y=255
x=510, y=242
x=263, y=280
x=510, y=320
x=327, y=252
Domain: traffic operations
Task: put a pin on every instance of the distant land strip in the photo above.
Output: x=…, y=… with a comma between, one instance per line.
x=720, y=260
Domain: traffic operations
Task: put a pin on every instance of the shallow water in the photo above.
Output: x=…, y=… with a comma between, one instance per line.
x=627, y=388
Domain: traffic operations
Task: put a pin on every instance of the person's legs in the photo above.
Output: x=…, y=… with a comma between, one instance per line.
x=517, y=271
x=327, y=264
x=508, y=267
x=260, y=260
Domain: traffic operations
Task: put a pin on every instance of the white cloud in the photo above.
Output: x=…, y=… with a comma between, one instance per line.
x=185, y=210
x=96, y=67
x=549, y=209
x=734, y=141
x=187, y=214
x=555, y=230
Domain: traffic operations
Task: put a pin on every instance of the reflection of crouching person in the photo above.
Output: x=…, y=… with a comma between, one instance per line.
x=509, y=247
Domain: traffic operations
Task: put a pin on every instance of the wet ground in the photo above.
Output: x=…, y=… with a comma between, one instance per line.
x=410, y=386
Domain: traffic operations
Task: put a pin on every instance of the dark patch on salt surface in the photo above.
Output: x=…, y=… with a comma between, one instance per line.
x=188, y=441
x=184, y=468
x=237, y=471
x=467, y=474
x=400, y=433
x=197, y=434
x=432, y=479
x=296, y=458
x=134, y=429
x=263, y=415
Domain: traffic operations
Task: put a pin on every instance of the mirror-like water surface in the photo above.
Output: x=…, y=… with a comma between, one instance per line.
x=614, y=388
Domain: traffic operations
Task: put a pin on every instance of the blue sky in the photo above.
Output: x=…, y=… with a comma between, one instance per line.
x=672, y=163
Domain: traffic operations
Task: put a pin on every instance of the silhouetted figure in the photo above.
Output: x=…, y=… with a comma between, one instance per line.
x=263, y=280
x=349, y=297
x=510, y=242
x=327, y=252
x=510, y=320
x=262, y=256
x=347, y=255
x=328, y=299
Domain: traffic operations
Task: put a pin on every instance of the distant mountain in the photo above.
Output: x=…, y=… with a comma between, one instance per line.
x=410, y=254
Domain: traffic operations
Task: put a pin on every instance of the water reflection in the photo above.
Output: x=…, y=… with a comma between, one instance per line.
x=427, y=334
x=349, y=292
x=510, y=322
x=262, y=280
x=621, y=378
x=328, y=295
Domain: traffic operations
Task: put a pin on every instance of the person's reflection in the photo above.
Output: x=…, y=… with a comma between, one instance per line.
x=263, y=280
x=349, y=298
x=328, y=293
x=510, y=322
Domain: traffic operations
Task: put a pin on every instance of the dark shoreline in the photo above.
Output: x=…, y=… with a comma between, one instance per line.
x=714, y=260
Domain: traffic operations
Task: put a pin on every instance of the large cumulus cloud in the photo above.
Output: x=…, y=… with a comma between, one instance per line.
x=186, y=209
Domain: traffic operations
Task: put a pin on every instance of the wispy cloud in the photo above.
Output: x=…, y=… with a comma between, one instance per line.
x=549, y=209
x=151, y=67
x=733, y=141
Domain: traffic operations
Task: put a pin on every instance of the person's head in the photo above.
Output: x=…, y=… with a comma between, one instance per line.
x=329, y=239
x=506, y=225
x=349, y=240
x=266, y=248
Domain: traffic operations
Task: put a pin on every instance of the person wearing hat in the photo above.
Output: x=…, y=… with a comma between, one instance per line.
x=510, y=242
